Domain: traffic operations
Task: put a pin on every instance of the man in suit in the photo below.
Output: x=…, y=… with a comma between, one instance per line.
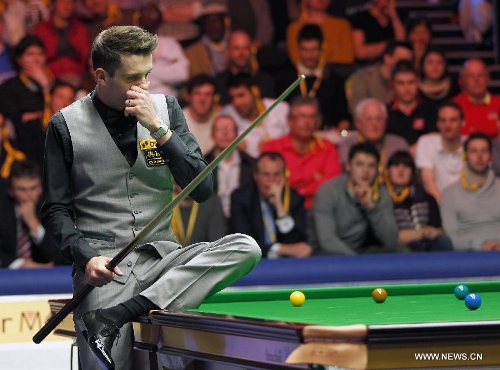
x=23, y=240
x=236, y=169
x=270, y=211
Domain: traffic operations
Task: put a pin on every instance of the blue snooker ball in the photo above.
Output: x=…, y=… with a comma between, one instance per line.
x=461, y=291
x=473, y=301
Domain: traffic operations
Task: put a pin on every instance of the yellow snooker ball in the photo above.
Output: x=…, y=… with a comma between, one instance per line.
x=297, y=298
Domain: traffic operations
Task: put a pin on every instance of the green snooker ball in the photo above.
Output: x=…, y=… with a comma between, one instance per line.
x=297, y=298
x=461, y=291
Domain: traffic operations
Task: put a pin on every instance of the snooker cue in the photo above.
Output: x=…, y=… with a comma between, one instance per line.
x=56, y=319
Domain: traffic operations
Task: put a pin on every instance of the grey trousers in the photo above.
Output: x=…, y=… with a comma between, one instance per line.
x=183, y=279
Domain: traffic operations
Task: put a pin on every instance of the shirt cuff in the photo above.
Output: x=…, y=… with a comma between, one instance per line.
x=285, y=224
x=38, y=236
x=272, y=254
x=16, y=264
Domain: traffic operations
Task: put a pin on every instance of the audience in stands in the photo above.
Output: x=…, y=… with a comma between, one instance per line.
x=479, y=105
x=8, y=154
x=310, y=160
x=419, y=33
x=246, y=105
x=373, y=81
x=270, y=211
x=476, y=18
x=23, y=240
x=240, y=58
x=409, y=115
x=208, y=54
x=496, y=152
x=374, y=28
x=236, y=169
x=66, y=41
x=416, y=212
x=321, y=81
x=439, y=156
x=370, y=120
x=21, y=17
x=353, y=214
x=337, y=46
x=201, y=109
x=6, y=68
x=469, y=207
x=436, y=83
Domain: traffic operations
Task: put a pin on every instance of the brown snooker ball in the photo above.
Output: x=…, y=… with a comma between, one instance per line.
x=379, y=295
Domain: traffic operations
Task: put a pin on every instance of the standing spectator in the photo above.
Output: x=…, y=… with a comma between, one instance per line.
x=310, y=160
x=23, y=240
x=171, y=65
x=208, y=55
x=370, y=120
x=352, y=214
x=436, y=83
x=470, y=211
x=374, y=28
x=236, y=169
x=373, y=81
x=66, y=42
x=479, y=105
x=240, y=58
x=246, y=105
x=416, y=212
x=270, y=211
x=337, y=47
x=439, y=156
x=409, y=116
x=321, y=81
x=201, y=109
x=419, y=36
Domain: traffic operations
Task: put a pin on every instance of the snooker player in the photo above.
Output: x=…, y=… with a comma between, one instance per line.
x=109, y=160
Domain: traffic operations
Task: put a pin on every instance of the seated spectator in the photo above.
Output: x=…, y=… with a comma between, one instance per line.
x=23, y=240
x=374, y=81
x=337, y=47
x=236, y=169
x=370, y=120
x=479, y=105
x=8, y=154
x=6, y=68
x=436, y=83
x=246, y=105
x=171, y=67
x=470, y=211
x=194, y=222
x=352, y=214
x=201, y=109
x=26, y=95
x=496, y=152
x=310, y=160
x=21, y=17
x=409, y=116
x=240, y=58
x=321, y=81
x=254, y=18
x=208, y=55
x=416, y=212
x=373, y=28
x=66, y=41
x=439, y=156
x=270, y=211
x=419, y=35
x=476, y=18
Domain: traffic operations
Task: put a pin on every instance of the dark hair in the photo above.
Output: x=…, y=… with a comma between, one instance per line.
x=25, y=168
x=59, y=83
x=240, y=79
x=273, y=156
x=478, y=135
x=150, y=17
x=25, y=43
x=413, y=23
x=310, y=32
x=393, y=44
x=402, y=157
x=113, y=42
x=403, y=66
x=199, y=80
x=452, y=104
x=366, y=148
x=434, y=50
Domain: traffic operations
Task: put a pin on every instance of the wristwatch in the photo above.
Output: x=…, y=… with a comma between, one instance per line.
x=162, y=131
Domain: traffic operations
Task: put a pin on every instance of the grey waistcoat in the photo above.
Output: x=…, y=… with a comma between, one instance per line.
x=113, y=201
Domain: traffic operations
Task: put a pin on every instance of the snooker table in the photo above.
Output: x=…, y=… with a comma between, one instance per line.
x=340, y=327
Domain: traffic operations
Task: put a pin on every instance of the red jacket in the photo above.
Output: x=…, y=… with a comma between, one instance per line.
x=78, y=38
